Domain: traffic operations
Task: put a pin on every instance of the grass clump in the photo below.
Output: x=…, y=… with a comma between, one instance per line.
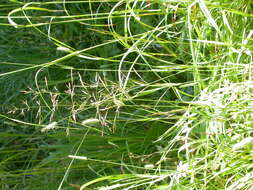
x=126, y=95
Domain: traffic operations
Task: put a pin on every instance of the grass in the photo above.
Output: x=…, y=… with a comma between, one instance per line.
x=126, y=95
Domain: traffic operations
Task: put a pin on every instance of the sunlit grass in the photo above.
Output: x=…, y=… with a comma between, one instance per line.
x=126, y=94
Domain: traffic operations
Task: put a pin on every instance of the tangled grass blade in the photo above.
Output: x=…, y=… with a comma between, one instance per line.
x=49, y=127
x=90, y=121
x=78, y=157
x=243, y=143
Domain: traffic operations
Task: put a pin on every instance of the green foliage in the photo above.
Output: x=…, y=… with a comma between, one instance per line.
x=126, y=94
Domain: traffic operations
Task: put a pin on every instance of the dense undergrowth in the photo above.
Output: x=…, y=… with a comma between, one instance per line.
x=128, y=94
